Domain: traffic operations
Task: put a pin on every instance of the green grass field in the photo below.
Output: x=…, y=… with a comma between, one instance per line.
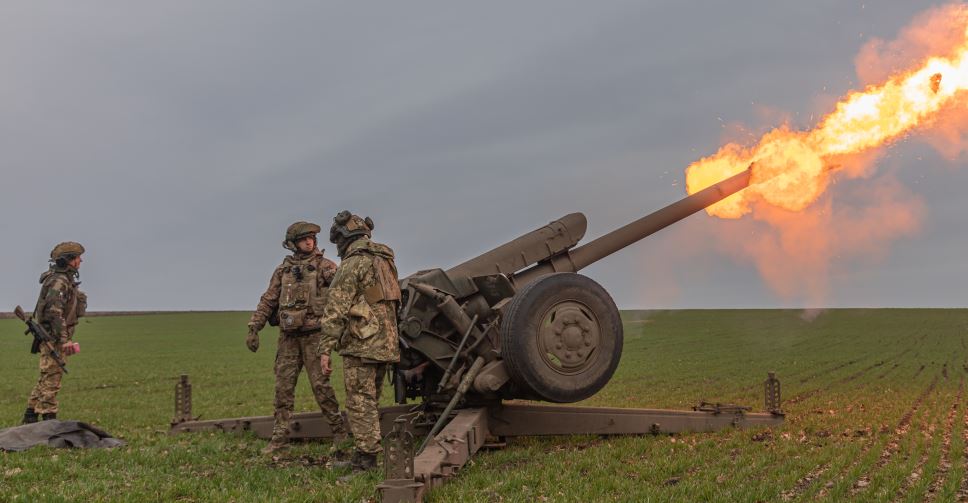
x=875, y=403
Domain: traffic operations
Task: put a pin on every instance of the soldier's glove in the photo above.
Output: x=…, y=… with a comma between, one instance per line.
x=252, y=341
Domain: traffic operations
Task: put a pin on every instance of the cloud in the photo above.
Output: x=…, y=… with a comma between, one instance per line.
x=177, y=140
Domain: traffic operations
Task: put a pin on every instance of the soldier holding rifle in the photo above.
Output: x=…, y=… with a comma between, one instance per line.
x=59, y=306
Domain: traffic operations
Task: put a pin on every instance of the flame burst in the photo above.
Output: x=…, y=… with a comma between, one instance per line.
x=793, y=168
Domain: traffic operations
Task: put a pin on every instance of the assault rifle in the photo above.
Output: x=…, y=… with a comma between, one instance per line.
x=40, y=337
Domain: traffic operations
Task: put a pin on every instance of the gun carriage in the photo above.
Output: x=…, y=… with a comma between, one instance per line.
x=515, y=323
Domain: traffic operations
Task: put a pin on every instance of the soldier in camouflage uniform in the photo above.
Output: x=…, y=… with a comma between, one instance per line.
x=294, y=301
x=360, y=322
x=59, y=306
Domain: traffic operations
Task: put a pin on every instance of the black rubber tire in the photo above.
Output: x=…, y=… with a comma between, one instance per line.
x=520, y=330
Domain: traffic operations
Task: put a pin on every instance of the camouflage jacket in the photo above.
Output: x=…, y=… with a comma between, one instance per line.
x=360, y=318
x=60, y=302
x=302, y=300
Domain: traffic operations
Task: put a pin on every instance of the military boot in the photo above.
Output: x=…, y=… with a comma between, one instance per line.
x=340, y=437
x=360, y=462
x=339, y=433
x=30, y=416
x=365, y=462
x=339, y=450
x=276, y=445
x=48, y=415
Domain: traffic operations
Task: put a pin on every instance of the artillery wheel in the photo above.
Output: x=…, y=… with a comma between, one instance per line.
x=561, y=337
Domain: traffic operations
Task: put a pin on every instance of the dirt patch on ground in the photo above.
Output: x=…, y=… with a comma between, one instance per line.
x=284, y=461
x=902, y=426
x=804, y=483
x=894, y=445
x=944, y=465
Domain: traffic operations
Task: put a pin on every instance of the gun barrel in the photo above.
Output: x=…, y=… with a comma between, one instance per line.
x=592, y=252
x=531, y=248
x=614, y=241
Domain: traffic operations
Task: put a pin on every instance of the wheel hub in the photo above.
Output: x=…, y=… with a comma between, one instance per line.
x=569, y=336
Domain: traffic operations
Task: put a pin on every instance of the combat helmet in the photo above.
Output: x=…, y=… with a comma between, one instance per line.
x=348, y=227
x=297, y=231
x=66, y=251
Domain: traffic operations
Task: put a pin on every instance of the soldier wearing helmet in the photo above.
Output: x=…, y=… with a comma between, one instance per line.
x=360, y=322
x=59, y=305
x=294, y=302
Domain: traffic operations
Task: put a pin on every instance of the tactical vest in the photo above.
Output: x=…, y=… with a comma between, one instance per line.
x=77, y=309
x=301, y=300
x=75, y=305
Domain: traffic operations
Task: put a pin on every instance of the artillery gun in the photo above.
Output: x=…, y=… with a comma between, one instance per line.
x=517, y=322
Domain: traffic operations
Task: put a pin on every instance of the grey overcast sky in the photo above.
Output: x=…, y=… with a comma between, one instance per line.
x=176, y=140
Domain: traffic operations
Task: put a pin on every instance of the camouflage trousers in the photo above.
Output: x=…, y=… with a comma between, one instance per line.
x=294, y=353
x=364, y=382
x=43, y=398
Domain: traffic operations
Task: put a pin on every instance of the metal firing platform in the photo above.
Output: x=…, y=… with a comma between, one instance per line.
x=410, y=474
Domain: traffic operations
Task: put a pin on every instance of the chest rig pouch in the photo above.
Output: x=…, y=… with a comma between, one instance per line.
x=74, y=308
x=301, y=297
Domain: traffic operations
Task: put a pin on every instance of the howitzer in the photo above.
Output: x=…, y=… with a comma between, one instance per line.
x=41, y=337
x=542, y=331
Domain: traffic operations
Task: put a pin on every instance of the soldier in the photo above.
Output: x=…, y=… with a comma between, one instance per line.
x=59, y=306
x=360, y=321
x=294, y=301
